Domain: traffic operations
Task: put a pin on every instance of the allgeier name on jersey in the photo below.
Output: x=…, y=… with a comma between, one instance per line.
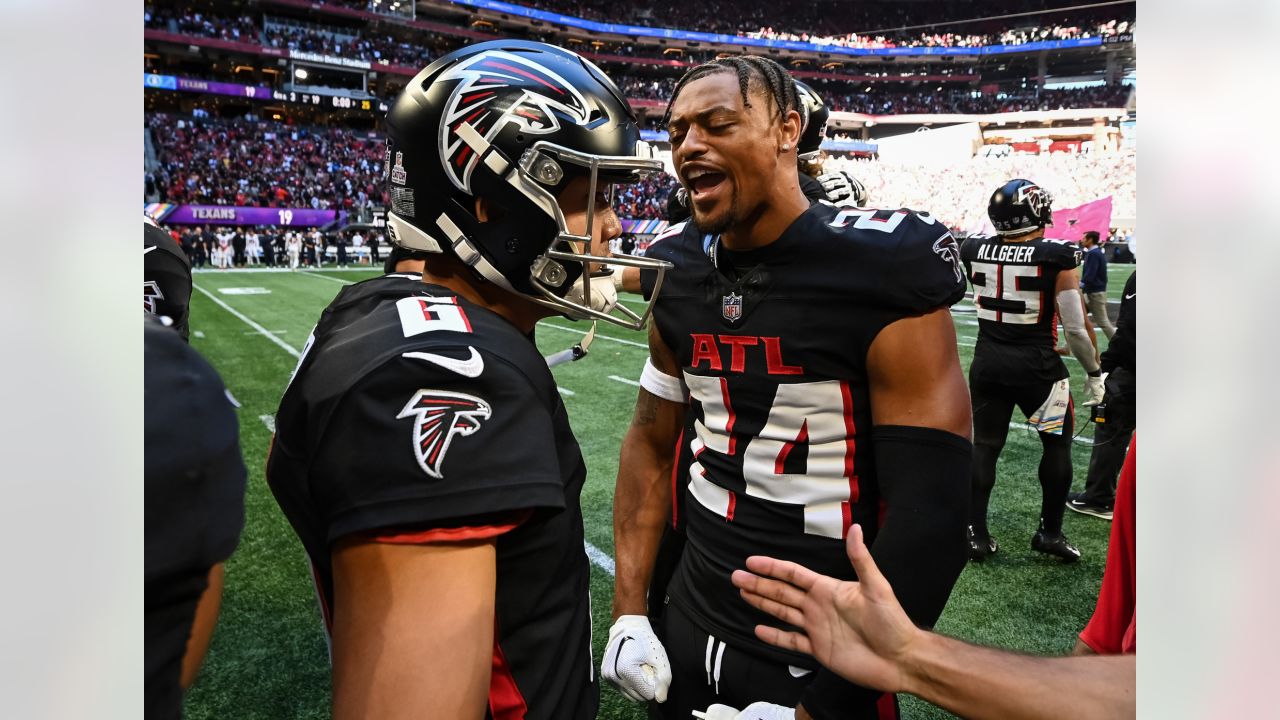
x=1007, y=253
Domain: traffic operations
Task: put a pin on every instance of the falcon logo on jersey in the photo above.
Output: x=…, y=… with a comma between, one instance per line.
x=151, y=296
x=498, y=89
x=947, y=249
x=440, y=417
x=731, y=307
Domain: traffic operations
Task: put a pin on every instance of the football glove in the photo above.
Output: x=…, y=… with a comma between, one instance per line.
x=635, y=660
x=754, y=711
x=1095, y=388
x=842, y=189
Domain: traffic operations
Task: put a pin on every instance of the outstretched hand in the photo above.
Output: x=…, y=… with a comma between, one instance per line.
x=856, y=629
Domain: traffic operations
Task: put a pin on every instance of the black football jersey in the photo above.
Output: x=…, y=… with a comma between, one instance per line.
x=166, y=278
x=193, y=496
x=772, y=344
x=356, y=300
x=1013, y=288
x=414, y=409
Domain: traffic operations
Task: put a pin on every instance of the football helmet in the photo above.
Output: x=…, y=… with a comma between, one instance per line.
x=1019, y=207
x=815, y=114
x=166, y=276
x=514, y=122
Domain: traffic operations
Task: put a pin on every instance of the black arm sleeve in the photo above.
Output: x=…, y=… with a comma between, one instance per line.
x=920, y=546
x=1122, y=351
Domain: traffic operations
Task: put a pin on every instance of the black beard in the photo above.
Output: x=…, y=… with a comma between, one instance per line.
x=730, y=218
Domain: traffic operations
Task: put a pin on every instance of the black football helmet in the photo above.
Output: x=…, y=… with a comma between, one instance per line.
x=1019, y=207
x=513, y=122
x=815, y=114
x=166, y=277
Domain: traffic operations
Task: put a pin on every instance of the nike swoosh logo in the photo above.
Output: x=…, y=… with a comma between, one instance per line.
x=471, y=367
x=147, y=250
x=1130, y=297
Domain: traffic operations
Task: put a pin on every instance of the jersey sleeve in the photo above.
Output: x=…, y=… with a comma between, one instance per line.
x=924, y=272
x=1065, y=254
x=417, y=444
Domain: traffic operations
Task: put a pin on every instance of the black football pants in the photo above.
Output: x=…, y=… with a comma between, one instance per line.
x=1111, y=438
x=705, y=670
x=993, y=405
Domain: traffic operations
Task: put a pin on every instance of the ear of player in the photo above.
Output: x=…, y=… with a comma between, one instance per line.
x=513, y=123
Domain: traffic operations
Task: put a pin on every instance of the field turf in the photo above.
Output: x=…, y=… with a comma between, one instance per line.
x=268, y=658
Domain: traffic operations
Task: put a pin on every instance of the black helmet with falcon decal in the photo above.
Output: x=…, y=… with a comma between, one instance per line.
x=513, y=122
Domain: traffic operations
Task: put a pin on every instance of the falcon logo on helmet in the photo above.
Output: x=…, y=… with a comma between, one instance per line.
x=440, y=417
x=483, y=100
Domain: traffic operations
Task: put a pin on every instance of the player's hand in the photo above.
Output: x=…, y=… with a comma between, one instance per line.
x=839, y=188
x=635, y=660
x=754, y=711
x=856, y=629
x=1094, y=388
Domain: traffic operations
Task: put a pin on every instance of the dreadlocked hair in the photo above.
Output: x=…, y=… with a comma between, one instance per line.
x=772, y=77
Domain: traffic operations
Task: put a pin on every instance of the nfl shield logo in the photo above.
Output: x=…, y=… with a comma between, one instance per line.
x=731, y=307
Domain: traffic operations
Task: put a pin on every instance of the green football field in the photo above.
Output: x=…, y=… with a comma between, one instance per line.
x=269, y=659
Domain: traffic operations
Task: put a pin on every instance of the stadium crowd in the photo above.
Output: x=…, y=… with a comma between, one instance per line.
x=876, y=101
x=958, y=193
x=833, y=23
x=249, y=161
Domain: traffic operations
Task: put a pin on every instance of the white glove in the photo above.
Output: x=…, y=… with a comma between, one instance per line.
x=1095, y=388
x=841, y=188
x=754, y=711
x=604, y=296
x=635, y=661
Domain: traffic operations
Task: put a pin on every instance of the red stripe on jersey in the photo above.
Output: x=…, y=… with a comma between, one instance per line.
x=675, y=474
x=728, y=427
x=850, y=441
x=787, y=447
x=846, y=514
x=505, y=700
x=733, y=503
x=886, y=707
x=468, y=532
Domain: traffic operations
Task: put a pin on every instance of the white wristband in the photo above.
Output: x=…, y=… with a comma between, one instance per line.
x=660, y=384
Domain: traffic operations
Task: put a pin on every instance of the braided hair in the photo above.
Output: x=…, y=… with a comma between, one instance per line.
x=769, y=74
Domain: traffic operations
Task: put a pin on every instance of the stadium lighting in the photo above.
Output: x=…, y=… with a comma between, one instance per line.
x=300, y=73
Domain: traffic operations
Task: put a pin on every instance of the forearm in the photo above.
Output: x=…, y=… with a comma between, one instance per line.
x=1073, y=326
x=641, y=509
x=978, y=682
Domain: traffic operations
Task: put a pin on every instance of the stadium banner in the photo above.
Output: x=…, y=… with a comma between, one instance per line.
x=643, y=227
x=211, y=87
x=723, y=39
x=1071, y=223
x=238, y=215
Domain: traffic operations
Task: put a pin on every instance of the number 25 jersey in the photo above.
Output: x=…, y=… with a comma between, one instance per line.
x=772, y=344
x=1014, y=290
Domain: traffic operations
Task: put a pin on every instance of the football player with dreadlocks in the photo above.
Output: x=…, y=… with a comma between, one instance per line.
x=1018, y=278
x=803, y=376
x=423, y=454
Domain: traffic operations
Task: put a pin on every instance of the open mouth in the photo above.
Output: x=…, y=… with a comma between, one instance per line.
x=704, y=184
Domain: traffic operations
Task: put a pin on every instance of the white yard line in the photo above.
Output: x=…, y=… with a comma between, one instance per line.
x=240, y=316
x=1025, y=426
x=316, y=274
x=633, y=383
x=597, y=556
x=562, y=328
x=566, y=392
